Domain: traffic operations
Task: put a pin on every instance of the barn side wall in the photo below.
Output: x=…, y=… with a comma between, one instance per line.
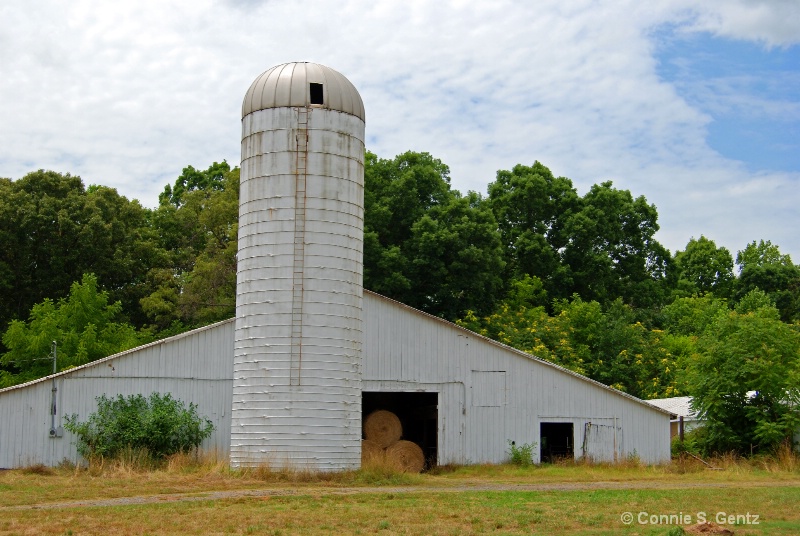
x=194, y=367
x=490, y=394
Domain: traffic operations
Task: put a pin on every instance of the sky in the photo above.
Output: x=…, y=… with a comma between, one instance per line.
x=693, y=104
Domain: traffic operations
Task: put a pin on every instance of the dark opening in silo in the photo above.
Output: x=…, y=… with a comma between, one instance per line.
x=315, y=91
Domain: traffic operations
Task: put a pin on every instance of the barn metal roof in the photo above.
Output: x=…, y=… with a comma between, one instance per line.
x=649, y=403
x=288, y=85
x=519, y=353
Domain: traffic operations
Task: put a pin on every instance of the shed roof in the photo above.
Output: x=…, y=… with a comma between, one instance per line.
x=677, y=405
x=288, y=85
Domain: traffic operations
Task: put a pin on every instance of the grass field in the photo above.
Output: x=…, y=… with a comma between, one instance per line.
x=209, y=498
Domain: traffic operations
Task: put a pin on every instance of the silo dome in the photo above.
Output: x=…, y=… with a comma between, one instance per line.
x=303, y=84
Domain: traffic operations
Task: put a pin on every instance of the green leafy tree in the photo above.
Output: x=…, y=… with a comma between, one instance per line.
x=611, y=251
x=618, y=350
x=425, y=244
x=746, y=380
x=455, y=258
x=526, y=292
x=194, y=282
x=692, y=316
x=704, y=267
x=52, y=231
x=764, y=267
x=779, y=281
x=600, y=246
x=191, y=179
x=530, y=205
x=761, y=254
x=84, y=325
x=159, y=424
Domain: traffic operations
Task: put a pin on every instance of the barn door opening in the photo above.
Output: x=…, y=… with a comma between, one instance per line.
x=557, y=441
x=418, y=414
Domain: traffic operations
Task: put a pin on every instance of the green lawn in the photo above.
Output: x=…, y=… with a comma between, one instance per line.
x=468, y=500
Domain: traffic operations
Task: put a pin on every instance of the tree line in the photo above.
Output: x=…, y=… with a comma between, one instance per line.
x=579, y=280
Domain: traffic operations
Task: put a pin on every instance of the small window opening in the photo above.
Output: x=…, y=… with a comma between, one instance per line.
x=316, y=93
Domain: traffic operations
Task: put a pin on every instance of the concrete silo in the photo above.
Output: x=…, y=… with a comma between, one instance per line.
x=298, y=335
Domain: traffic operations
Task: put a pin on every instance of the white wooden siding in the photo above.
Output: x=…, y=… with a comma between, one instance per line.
x=404, y=351
x=194, y=367
x=503, y=394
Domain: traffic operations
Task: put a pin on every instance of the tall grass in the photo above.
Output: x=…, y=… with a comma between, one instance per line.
x=379, y=471
x=214, y=465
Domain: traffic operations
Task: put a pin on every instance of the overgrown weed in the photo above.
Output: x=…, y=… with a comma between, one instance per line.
x=784, y=459
x=445, y=469
x=38, y=469
x=207, y=462
x=382, y=471
x=685, y=464
x=211, y=465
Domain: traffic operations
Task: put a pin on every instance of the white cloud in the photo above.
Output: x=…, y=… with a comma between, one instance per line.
x=129, y=94
x=770, y=22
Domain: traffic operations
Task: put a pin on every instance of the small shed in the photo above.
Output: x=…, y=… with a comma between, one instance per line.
x=682, y=416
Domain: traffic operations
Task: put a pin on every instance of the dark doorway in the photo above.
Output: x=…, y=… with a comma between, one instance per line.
x=556, y=441
x=315, y=91
x=418, y=413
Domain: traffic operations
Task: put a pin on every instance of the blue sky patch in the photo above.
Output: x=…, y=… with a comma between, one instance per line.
x=751, y=93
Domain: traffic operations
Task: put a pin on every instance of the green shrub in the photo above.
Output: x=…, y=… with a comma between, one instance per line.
x=691, y=443
x=159, y=423
x=521, y=454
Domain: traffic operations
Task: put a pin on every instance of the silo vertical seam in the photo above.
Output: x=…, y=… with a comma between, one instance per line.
x=298, y=270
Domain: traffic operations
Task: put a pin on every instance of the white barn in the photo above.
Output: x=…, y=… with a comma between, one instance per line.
x=460, y=395
x=310, y=353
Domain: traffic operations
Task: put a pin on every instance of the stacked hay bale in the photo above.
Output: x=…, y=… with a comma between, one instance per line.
x=382, y=444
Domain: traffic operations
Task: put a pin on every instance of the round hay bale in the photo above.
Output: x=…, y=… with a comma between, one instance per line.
x=383, y=427
x=406, y=456
x=371, y=452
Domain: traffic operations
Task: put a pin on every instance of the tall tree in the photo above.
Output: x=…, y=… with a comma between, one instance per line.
x=53, y=230
x=611, y=249
x=764, y=267
x=194, y=281
x=192, y=179
x=761, y=254
x=86, y=326
x=425, y=244
x=455, y=258
x=600, y=246
x=745, y=381
x=704, y=267
x=531, y=206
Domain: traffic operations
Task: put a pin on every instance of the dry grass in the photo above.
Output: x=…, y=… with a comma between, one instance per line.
x=315, y=510
x=566, y=497
x=38, y=469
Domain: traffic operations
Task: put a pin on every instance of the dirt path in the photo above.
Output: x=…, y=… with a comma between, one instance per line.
x=459, y=488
